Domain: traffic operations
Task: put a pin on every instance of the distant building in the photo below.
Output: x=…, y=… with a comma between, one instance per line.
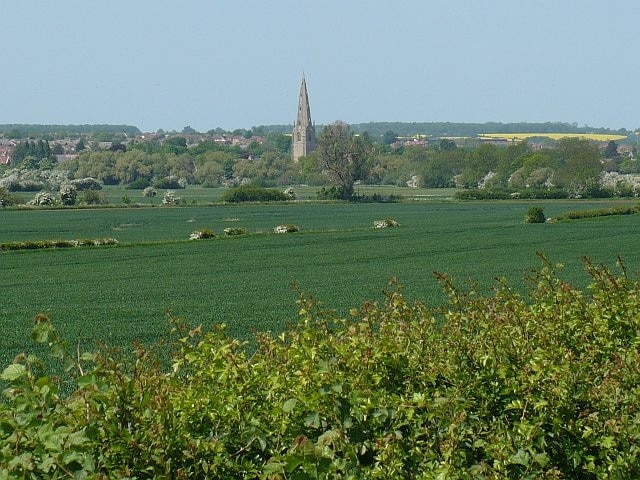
x=303, y=138
x=6, y=147
x=5, y=156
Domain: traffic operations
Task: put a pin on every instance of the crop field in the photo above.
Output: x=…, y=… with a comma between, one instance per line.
x=597, y=137
x=121, y=293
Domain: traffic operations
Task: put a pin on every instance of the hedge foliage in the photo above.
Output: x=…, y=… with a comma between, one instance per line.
x=602, y=212
x=488, y=386
x=509, y=193
x=38, y=244
x=252, y=193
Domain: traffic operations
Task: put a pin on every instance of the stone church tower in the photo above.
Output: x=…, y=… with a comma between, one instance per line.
x=303, y=138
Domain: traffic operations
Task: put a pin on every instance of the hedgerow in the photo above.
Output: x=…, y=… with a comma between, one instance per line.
x=602, y=212
x=253, y=193
x=488, y=386
x=38, y=244
x=509, y=193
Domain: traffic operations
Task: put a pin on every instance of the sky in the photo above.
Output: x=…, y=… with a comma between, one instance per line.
x=167, y=64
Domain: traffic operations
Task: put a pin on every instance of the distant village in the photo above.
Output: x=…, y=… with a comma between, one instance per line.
x=67, y=148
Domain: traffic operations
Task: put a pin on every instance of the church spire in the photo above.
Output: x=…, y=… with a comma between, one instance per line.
x=303, y=137
x=304, y=112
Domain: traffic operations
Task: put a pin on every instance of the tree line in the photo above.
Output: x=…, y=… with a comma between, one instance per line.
x=343, y=159
x=19, y=130
x=573, y=165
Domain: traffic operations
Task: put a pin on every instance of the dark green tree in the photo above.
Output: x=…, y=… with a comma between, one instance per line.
x=611, y=150
x=389, y=137
x=281, y=143
x=176, y=145
x=579, y=165
x=447, y=144
x=343, y=155
x=228, y=169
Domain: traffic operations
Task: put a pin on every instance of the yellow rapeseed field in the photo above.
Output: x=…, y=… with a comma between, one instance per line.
x=598, y=137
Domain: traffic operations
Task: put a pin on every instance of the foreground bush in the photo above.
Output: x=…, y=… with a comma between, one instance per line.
x=497, y=386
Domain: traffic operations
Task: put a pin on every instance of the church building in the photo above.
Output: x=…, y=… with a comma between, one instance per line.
x=303, y=138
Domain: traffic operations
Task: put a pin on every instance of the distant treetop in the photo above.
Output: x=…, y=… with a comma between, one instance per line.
x=17, y=130
x=449, y=129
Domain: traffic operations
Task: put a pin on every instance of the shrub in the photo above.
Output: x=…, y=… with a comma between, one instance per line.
x=7, y=199
x=289, y=228
x=334, y=193
x=235, y=231
x=252, y=193
x=291, y=193
x=535, y=215
x=87, y=183
x=201, y=234
x=68, y=194
x=149, y=192
x=170, y=198
x=91, y=197
x=43, y=199
x=139, y=184
x=26, y=186
x=389, y=222
x=168, y=183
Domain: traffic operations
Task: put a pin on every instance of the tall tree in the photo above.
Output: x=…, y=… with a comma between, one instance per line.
x=389, y=137
x=580, y=165
x=611, y=151
x=343, y=155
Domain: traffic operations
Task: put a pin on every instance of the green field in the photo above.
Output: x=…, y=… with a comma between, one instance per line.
x=119, y=294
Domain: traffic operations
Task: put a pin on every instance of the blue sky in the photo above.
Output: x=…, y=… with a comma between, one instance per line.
x=238, y=63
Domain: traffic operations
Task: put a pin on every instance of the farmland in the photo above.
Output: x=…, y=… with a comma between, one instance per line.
x=596, y=137
x=119, y=294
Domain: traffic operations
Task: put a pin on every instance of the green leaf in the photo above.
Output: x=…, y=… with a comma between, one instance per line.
x=273, y=467
x=608, y=442
x=520, y=458
x=292, y=462
x=289, y=405
x=86, y=380
x=88, y=357
x=14, y=372
x=312, y=420
x=42, y=331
